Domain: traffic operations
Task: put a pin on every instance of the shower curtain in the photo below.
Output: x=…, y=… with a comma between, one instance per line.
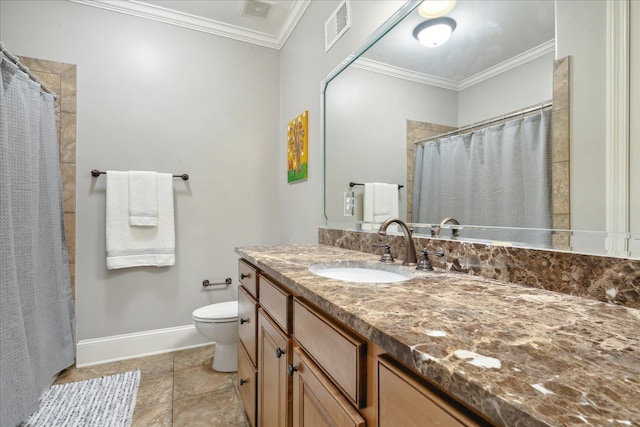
x=36, y=307
x=499, y=176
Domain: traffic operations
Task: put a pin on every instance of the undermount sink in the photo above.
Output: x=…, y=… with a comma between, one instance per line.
x=361, y=272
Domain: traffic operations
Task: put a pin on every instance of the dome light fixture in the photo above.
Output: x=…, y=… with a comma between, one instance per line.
x=435, y=8
x=434, y=32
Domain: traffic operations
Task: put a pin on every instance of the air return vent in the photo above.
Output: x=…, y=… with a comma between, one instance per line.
x=256, y=8
x=337, y=24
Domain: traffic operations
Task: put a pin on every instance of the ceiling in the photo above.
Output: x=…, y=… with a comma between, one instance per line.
x=263, y=22
x=491, y=35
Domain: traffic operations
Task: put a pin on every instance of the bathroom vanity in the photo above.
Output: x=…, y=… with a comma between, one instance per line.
x=440, y=348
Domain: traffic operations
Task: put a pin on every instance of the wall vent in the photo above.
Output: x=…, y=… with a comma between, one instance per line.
x=337, y=24
x=256, y=8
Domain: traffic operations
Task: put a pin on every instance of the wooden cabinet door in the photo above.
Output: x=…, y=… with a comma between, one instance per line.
x=316, y=401
x=247, y=378
x=248, y=322
x=405, y=400
x=274, y=384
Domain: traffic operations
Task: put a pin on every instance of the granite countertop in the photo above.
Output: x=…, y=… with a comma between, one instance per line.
x=521, y=356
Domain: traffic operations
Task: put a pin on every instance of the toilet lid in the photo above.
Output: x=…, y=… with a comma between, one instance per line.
x=221, y=310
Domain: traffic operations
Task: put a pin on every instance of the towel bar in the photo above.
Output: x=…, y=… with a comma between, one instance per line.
x=226, y=282
x=184, y=176
x=353, y=184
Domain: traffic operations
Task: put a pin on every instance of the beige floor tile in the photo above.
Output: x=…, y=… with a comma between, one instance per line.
x=182, y=380
x=78, y=374
x=155, y=389
x=150, y=364
x=220, y=408
x=153, y=416
x=201, y=379
x=200, y=356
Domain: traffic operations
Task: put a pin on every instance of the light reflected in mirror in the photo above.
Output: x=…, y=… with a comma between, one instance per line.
x=498, y=60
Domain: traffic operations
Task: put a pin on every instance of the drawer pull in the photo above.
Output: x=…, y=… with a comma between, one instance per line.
x=243, y=321
x=279, y=352
x=244, y=276
x=243, y=381
x=291, y=369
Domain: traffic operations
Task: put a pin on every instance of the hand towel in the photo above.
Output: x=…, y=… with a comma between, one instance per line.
x=380, y=201
x=132, y=246
x=143, y=198
x=385, y=201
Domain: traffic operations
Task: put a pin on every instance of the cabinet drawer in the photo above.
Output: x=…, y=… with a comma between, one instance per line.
x=405, y=400
x=247, y=378
x=248, y=322
x=248, y=277
x=316, y=401
x=277, y=302
x=340, y=353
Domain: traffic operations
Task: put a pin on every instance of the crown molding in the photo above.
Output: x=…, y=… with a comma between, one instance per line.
x=509, y=64
x=402, y=73
x=197, y=23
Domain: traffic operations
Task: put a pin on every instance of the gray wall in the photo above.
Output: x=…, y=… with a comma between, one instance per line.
x=518, y=88
x=303, y=65
x=153, y=96
x=581, y=33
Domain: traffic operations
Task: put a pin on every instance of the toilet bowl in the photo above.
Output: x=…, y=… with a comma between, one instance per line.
x=219, y=323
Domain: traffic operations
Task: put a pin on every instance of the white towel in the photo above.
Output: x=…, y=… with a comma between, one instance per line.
x=143, y=198
x=380, y=201
x=129, y=246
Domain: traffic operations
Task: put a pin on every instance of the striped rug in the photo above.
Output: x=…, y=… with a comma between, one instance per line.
x=100, y=402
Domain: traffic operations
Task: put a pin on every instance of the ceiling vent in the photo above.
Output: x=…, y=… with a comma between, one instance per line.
x=256, y=8
x=337, y=24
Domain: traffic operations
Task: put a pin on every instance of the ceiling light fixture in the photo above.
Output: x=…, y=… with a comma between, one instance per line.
x=434, y=32
x=435, y=8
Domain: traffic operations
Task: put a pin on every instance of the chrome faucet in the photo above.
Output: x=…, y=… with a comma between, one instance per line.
x=435, y=230
x=410, y=257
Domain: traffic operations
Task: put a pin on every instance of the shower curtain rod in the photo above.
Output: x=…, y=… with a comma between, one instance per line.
x=22, y=67
x=487, y=122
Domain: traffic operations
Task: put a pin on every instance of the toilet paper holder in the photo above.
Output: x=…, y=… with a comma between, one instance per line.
x=226, y=282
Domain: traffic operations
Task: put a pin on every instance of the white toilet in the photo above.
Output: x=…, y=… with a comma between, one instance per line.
x=219, y=323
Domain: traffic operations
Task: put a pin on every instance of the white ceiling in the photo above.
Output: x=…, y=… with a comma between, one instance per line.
x=490, y=34
x=220, y=17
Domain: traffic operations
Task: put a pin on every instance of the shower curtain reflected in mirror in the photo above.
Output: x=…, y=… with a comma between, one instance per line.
x=499, y=176
x=36, y=307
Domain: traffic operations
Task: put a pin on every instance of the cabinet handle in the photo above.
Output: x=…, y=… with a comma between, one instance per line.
x=243, y=321
x=291, y=369
x=279, y=352
x=243, y=381
x=244, y=276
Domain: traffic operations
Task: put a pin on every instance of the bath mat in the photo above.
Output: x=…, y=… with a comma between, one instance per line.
x=107, y=402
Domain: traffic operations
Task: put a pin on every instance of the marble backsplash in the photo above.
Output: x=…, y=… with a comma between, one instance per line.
x=607, y=279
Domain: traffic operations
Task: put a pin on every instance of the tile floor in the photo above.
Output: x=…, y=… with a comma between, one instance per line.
x=176, y=389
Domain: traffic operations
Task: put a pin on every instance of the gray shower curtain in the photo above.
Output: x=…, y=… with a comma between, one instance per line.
x=499, y=176
x=36, y=308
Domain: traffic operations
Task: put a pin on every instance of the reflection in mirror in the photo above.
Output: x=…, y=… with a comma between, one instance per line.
x=499, y=60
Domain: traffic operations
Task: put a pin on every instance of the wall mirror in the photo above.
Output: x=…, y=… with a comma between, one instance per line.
x=499, y=60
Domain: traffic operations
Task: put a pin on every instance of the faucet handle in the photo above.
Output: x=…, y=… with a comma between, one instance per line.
x=424, y=263
x=386, y=256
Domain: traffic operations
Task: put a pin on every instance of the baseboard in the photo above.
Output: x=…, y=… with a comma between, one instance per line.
x=121, y=347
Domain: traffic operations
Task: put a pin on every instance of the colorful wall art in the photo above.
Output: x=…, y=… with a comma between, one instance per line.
x=297, y=148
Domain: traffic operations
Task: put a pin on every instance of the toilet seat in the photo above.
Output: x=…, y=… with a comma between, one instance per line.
x=221, y=312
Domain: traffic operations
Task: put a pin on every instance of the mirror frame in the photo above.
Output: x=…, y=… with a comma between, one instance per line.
x=617, y=123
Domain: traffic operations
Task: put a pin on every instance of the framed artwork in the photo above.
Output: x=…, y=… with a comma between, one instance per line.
x=297, y=136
